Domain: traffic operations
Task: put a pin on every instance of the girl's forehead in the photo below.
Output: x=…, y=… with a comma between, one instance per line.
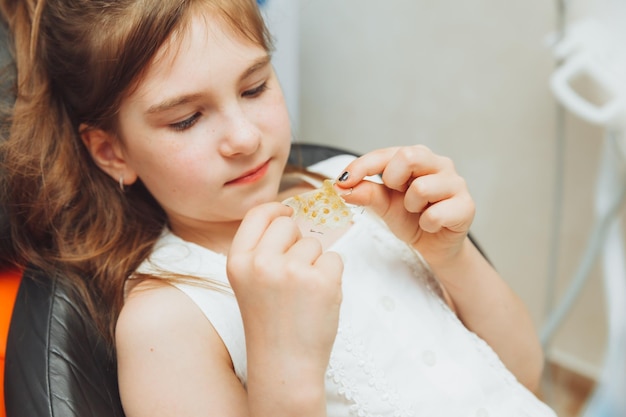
x=206, y=28
x=204, y=48
x=198, y=25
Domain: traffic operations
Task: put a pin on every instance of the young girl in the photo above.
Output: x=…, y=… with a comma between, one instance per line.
x=146, y=159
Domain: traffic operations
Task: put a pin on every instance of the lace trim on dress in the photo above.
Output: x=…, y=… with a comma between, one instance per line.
x=378, y=387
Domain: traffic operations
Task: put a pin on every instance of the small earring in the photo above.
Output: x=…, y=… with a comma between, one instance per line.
x=122, y=183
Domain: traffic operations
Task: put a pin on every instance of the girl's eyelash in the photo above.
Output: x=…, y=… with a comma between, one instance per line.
x=256, y=91
x=187, y=123
x=190, y=121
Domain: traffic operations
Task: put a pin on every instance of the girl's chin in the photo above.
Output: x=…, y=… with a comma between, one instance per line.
x=245, y=205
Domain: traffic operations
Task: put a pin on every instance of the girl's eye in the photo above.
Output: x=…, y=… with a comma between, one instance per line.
x=187, y=123
x=256, y=91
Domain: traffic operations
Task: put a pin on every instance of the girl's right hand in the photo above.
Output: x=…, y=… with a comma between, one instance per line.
x=289, y=294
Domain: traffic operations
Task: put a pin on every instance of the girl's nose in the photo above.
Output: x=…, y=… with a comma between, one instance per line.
x=241, y=136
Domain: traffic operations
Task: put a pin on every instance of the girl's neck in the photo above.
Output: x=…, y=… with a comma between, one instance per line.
x=217, y=238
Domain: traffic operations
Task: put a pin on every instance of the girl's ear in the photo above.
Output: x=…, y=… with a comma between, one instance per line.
x=106, y=152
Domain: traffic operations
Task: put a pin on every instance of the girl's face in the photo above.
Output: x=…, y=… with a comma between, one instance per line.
x=207, y=129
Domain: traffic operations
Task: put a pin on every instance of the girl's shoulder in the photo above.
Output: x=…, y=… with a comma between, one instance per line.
x=160, y=332
x=174, y=258
x=157, y=316
x=151, y=308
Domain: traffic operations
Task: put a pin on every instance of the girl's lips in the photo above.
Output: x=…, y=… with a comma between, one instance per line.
x=252, y=175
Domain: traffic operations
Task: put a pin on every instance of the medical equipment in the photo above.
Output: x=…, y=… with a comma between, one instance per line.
x=593, y=49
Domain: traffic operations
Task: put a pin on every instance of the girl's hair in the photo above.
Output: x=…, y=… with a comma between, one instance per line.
x=76, y=60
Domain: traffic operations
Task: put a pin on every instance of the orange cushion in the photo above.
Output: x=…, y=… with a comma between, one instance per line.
x=9, y=283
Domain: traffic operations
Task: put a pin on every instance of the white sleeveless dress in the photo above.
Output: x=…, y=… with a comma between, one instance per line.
x=399, y=352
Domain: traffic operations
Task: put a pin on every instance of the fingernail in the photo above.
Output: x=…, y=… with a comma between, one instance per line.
x=344, y=176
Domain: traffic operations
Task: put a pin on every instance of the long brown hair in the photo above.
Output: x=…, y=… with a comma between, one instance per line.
x=76, y=60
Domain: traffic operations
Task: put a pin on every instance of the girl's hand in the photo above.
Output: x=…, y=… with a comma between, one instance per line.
x=426, y=203
x=423, y=200
x=289, y=294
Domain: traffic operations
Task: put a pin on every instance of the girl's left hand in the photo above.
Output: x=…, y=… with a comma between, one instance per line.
x=423, y=199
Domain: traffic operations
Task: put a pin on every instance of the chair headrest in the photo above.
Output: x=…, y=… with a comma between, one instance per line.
x=7, y=76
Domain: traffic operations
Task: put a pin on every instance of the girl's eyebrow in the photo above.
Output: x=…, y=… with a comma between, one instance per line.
x=256, y=65
x=187, y=98
x=171, y=103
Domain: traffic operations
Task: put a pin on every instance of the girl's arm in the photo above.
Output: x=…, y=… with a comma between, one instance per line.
x=488, y=307
x=172, y=362
x=427, y=204
x=289, y=293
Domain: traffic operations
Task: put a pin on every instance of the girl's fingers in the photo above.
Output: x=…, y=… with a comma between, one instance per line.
x=441, y=205
x=412, y=162
x=422, y=192
x=431, y=189
x=305, y=251
x=254, y=225
x=455, y=214
x=332, y=265
x=330, y=261
x=369, y=194
x=372, y=163
x=278, y=237
x=397, y=166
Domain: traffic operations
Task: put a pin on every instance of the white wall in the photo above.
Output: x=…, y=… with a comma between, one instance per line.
x=470, y=80
x=282, y=19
